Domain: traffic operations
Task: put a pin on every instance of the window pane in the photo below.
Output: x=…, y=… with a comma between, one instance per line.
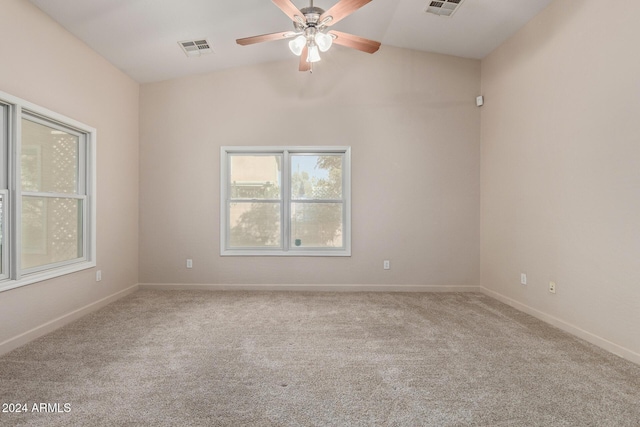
x=317, y=225
x=255, y=177
x=49, y=159
x=51, y=230
x=254, y=225
x=316, y=177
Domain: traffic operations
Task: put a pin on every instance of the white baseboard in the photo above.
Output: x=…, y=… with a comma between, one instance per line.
x=38, y=331
x=311, y=288
x=614, y=348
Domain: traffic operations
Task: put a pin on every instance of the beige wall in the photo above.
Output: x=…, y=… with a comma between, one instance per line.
x=561, y=170
x=414, y=129
x=44, y=64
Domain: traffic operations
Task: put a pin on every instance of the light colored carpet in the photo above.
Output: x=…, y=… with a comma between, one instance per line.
x=317, y=359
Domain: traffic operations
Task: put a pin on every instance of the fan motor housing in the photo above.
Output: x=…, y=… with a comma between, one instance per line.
x=312, y=14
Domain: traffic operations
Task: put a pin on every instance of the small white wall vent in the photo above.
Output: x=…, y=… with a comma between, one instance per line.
x=443, y=7
x=195, y=47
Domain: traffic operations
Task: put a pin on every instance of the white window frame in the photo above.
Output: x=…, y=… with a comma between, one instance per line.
x=11, y=146
x=4, y=271
x=4, y=177
x=285, y=199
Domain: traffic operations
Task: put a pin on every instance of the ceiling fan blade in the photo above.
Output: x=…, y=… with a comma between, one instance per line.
x=304, y=65
x=355, y=42
x=341, y=10
x=290, y=10
x=265, y=38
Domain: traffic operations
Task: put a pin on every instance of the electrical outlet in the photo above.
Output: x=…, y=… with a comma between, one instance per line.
x=552, y=287
x=386, y=265
x=523, y=278
x=189, y=263
x=98, y=275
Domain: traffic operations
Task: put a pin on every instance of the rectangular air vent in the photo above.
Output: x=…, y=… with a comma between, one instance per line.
x=443, y=7
x=195, y=47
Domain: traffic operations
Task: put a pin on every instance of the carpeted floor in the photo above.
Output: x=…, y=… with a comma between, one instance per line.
x=204, y=358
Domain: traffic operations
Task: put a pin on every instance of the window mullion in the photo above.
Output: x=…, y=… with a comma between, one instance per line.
x=53, y=195
x=255, y=200
x=317, y=201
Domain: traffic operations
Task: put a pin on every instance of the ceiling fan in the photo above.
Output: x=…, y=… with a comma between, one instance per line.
x=312, y=34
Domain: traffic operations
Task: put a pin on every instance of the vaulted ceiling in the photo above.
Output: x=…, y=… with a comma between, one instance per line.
x=141, y=36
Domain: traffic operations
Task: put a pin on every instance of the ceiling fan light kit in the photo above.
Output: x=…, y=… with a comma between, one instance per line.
x=314, y=40
x=324, y=41
x=312, y=33
x=296, y=45
x=313, y=55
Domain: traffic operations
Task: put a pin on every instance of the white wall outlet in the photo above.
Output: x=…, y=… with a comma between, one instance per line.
x=189, y=263
x=552, y=287
x=98, y=275
x=523, y=279
x=386, y=264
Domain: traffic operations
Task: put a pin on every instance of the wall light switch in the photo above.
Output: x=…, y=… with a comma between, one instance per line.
x=98, y=275
x=523, y=278
x=386, y=264
x=189, y=263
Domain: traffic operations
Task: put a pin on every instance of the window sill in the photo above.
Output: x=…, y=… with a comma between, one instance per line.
x=46, y=275
x=291, y=253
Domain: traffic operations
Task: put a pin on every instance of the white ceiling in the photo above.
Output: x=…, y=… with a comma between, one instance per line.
x=140, y=36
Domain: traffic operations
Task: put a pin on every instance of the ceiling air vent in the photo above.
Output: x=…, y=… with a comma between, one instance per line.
x=195, y=47
x=443, y=7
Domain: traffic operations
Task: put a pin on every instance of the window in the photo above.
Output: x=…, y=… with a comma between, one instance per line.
x=291, y=201
x=47, y=194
